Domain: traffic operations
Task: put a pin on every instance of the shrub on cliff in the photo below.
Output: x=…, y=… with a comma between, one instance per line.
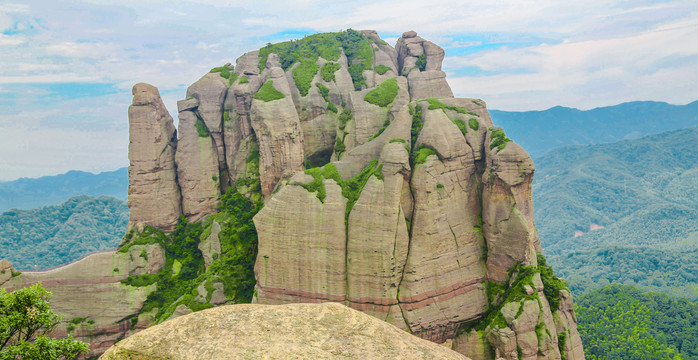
x=26, y=319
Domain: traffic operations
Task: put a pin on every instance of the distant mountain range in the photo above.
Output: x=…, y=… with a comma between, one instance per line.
x=26, y=193
x=625, y=212
x=541, y=131
x=57, y=234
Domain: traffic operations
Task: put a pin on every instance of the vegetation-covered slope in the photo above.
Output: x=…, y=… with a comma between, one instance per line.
x=644, y=193
x=542, y=131
x=53, y=235
x=622, y=322
x=28, y=193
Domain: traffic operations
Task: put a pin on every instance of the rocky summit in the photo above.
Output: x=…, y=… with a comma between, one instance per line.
x=337, y=168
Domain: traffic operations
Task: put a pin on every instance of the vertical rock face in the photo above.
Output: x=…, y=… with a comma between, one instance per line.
x=153, y=194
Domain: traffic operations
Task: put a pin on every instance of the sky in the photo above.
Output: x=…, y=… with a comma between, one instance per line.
x=67, y=67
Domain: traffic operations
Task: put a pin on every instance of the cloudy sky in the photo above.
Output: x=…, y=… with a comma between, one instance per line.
x=67, y=66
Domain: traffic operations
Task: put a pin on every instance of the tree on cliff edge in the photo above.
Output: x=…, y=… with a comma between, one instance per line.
x=26, y=319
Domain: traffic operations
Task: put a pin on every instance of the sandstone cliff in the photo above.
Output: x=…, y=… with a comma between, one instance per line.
x=338, y=168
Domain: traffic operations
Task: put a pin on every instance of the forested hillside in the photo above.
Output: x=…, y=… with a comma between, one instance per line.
x=26, y=193
x=622, y=322
x=542, y=131
x=624, y=212
x=53, y=235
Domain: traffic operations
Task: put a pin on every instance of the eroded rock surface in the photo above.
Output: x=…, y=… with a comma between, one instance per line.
x=293, y=331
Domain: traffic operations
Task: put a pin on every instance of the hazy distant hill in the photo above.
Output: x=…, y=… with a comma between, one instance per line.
x=644, y=193
x=541, y=131
x=26, y=193
x=53, y=235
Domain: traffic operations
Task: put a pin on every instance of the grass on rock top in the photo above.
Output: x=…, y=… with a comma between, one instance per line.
x=329, y=46
x=384, y=94
x=268, y=92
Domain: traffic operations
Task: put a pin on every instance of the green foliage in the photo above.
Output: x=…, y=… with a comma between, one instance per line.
x=268, y=93
x=561, y=341
x=316, y=185
x=398, y=140
x=498, y=139
x=435, y=104
x=329, y=46
x=622, y=322
x=328, y=69
x=344, y=117
x=384, y=94
x=25, y=320
x=339, y=146
x=244, y=80
x=645, y=194
x=303, y=75
x=420, y=156
x=552, y=285
x=325, y=93
x=461, y=126
x=382, y=69
x=359, y=52
x=224, y=71
x=232, y=78
x=421, y=62
x=54, y=235
x=417, y=122
x=201, y=128
x=380, y=131
x=474, y=124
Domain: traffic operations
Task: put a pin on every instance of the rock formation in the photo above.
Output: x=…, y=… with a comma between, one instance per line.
x=292, y=331
x=380, y=191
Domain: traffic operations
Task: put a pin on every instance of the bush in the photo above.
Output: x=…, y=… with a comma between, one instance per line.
x=201, y=128
x=461, y=125
x=421, y=62
x=434, y=104
x=384, y=94
x=344, y=117
x=382, y=69
x=474, y=124
x=26, y=318
x=498, y=139
x=243, y=80
x=327, y=71
x=268, y=92
x=303, y=75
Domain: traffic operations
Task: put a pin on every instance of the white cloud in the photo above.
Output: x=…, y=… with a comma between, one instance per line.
x=82, y=50
x=10, y=40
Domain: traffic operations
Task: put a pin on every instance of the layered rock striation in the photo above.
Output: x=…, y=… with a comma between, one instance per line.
x=380, y=190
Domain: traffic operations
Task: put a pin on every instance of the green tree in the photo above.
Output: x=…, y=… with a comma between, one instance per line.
x=26, y=320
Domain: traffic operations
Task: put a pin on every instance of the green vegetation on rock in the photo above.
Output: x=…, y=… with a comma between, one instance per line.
x=201, y=128
x=329, y=46
x=435, y=104
x=498, y=139
x=420, y=156
x=384, y=94
x=55, y=235
x=325, y=93
x=344, y=117
x=622, y=322
x=26, y=318
x=268, y=93
x=474, y=124
x=417, y=122
x=421, y=62
x=303, y=75
x=224, y=71
x=328, y=69
x=382, y=69
x=461, y=126
x=244, y=80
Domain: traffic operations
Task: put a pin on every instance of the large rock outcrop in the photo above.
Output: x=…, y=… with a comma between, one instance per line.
x=380, y=191
x=153, y=193
x=293, y=331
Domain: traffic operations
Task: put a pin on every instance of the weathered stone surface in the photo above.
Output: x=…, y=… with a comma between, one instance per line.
x=378, y=239
x=153, y=194
x=299, y=235
x=428, y=83
x=474, y=344
x=278, y=130
x=293, y=331
x=91, y=289
x=566, y=321
x=508, y=210
x=197, y=169
x=6, y=271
